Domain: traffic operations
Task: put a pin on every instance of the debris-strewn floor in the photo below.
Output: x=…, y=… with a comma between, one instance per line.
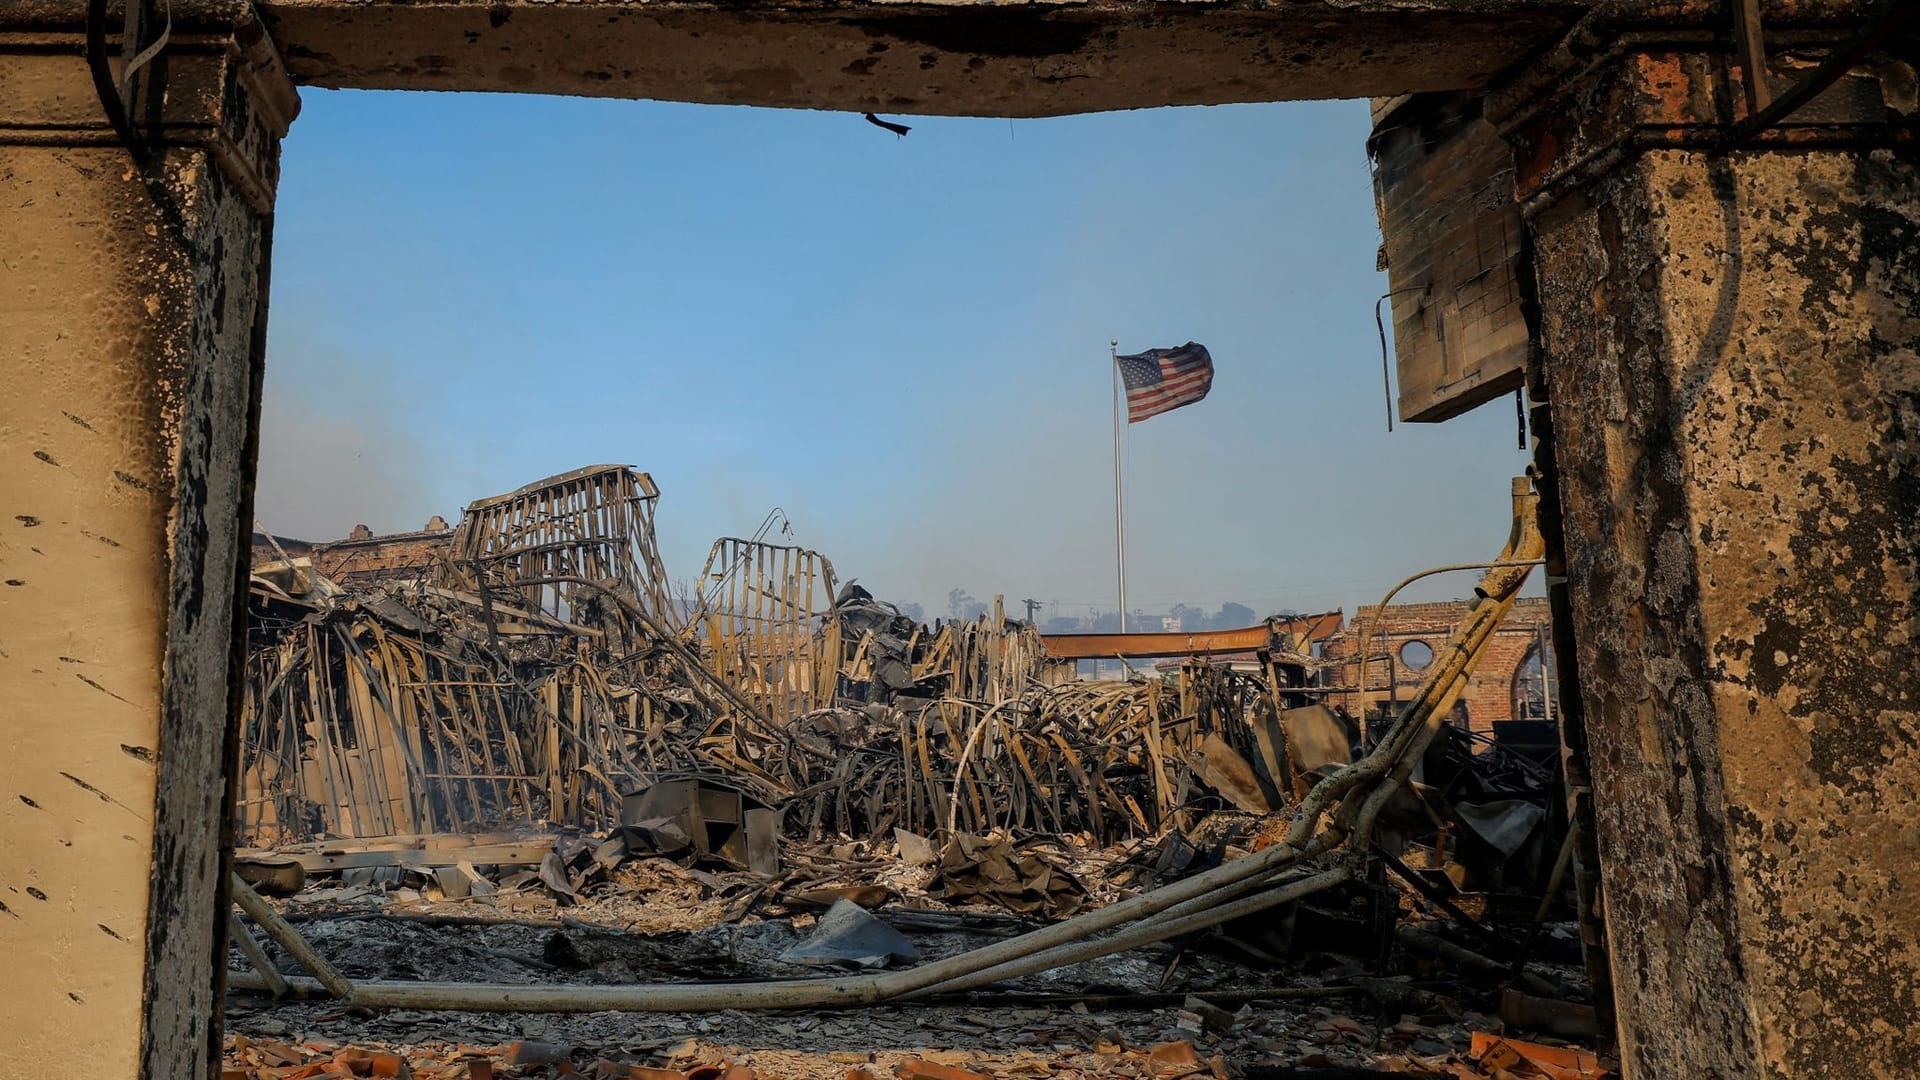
x=1208, y=1007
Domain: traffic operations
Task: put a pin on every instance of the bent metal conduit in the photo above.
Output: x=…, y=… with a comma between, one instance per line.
x=1232, y=890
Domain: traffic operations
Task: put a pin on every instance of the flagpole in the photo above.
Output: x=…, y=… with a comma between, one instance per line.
x=1119, y=491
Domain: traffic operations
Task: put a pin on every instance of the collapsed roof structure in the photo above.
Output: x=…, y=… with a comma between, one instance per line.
x=534, y=664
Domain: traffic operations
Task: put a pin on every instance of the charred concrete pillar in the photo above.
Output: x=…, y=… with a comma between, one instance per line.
x=1729, y=332
x=132, y=316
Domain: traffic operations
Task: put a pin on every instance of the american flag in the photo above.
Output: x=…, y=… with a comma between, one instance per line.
x=1161, y=380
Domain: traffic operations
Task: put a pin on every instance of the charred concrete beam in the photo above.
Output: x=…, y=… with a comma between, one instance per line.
x=956, y=57
x=1038, y=59
x=132, y=316
x=953, y=57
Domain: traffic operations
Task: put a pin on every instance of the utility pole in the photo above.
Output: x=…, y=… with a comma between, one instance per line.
x=1033, y=609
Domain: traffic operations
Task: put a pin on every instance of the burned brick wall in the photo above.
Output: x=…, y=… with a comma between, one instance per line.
x=1497, y=691
x=1453, y=247
x=365, y=556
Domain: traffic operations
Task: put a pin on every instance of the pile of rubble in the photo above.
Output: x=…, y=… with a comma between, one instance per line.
x=1296, y=991
x=523, y=771
x=693, y=1059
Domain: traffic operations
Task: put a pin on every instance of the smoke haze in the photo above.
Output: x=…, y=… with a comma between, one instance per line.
x=335, y=451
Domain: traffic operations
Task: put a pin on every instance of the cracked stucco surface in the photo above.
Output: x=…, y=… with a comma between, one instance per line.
x=1743, y=512
x=125, y=436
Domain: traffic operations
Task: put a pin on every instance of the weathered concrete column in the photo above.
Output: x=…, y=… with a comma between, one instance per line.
x=1729, y=339
x=132, y=316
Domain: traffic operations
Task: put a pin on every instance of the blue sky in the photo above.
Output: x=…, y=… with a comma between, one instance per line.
x=902, y=342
